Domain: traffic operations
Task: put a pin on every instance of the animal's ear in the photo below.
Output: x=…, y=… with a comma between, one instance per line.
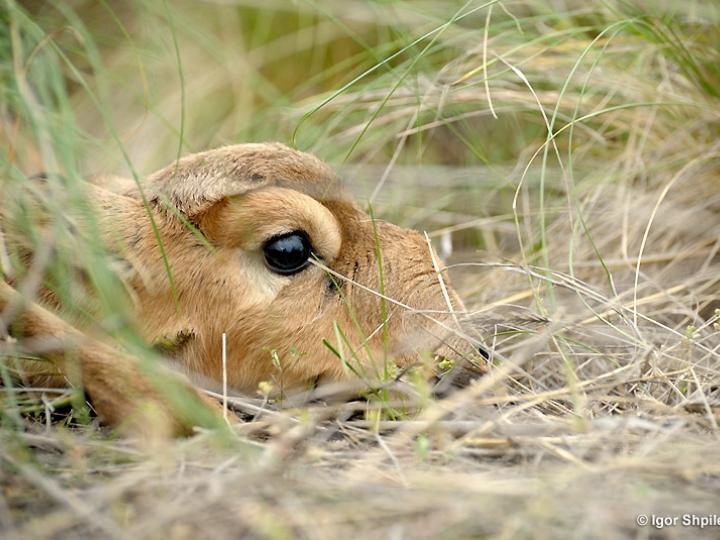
x=196, y=182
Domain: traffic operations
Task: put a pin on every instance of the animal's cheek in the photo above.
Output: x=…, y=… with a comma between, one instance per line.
x=304, y=303
x=245, y=277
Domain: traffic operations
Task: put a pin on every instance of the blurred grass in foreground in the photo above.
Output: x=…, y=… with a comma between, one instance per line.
x=567, y=150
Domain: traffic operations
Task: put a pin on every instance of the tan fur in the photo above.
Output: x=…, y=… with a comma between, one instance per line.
x=238, y=197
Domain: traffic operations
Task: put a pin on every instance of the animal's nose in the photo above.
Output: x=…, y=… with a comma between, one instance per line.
x=459, y=364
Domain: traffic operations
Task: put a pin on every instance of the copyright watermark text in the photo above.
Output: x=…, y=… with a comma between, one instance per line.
x=685, y=520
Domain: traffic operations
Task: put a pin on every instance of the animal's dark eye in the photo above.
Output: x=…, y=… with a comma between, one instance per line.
x=287, y=253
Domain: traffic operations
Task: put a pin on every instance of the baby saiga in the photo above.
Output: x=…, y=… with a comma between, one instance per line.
x=263, y=245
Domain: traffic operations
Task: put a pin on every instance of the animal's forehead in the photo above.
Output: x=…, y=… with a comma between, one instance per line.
x=197, y=181
x=273, y=162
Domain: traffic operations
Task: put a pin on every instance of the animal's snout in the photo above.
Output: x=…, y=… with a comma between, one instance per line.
x=458, y=363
